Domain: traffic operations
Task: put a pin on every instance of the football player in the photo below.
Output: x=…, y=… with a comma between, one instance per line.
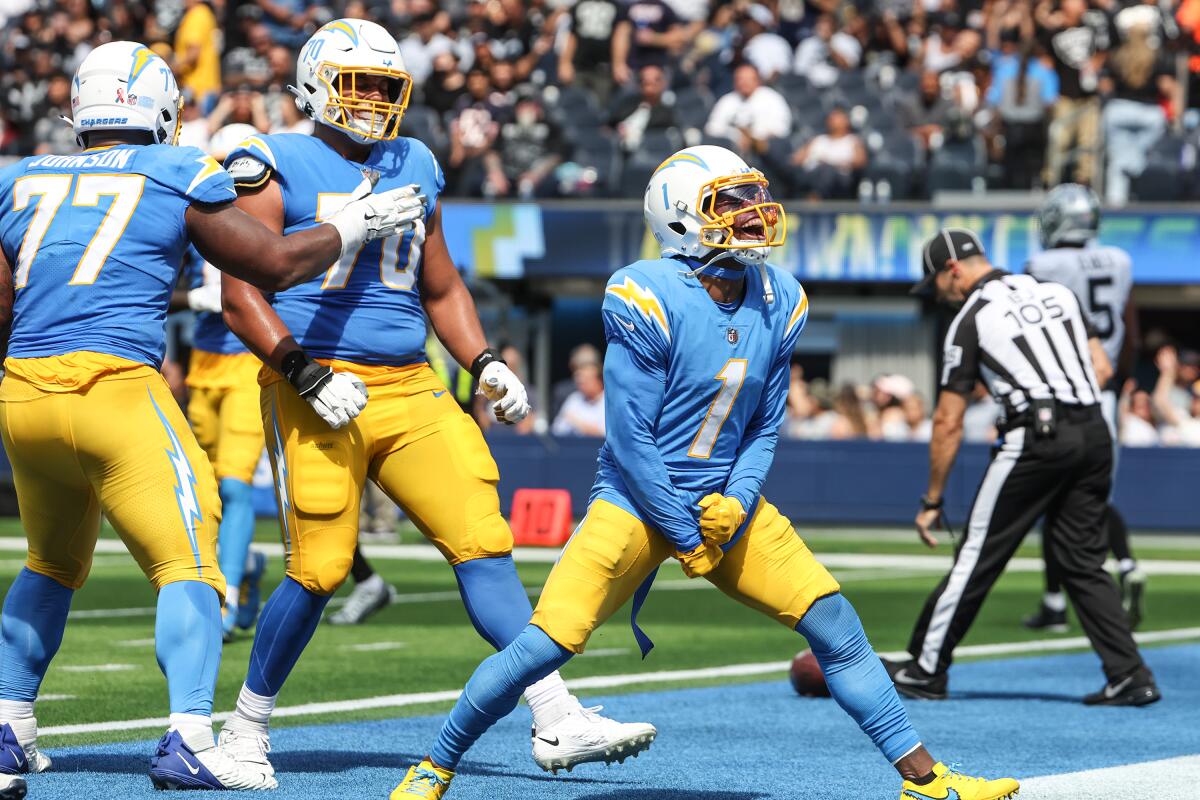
x=91, y=245
x=222, y=382
x=361, y=327
x=1102, y=278
x=696, y=377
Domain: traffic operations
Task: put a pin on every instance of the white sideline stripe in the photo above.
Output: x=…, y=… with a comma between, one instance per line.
x=137, y=643
x=54, y=698
x=607, y=682
x=1169, y=779
x=605, y=652
x=104, y=613
x=100, y=668
x=372, y=647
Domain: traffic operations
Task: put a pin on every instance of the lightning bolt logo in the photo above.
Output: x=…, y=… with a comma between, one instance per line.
x=141, y=59
x=257, y=142
x=209, y=167
x=798, y=314
x=281, y=483
x=343, y=27
x=643, y=300
x=185, y=483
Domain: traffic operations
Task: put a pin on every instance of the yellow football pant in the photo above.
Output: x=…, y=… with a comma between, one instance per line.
x=224, y=410
x=119, y=446
x=769, y=569
x=412, y=440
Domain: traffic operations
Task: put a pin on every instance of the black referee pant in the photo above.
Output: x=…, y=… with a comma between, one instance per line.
x=1066, y=478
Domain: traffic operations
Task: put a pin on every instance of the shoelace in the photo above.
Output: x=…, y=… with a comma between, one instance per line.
x=953, y=772
x=425, y=779
x=591, y=713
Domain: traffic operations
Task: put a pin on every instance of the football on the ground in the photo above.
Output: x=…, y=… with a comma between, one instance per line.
x=807, y=678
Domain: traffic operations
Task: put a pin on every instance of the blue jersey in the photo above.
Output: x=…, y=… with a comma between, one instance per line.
x=365, y=309
x=211, y=334
x=694, y=393
x=96, y=242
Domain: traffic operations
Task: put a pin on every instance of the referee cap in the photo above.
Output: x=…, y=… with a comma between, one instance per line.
x=948, y=244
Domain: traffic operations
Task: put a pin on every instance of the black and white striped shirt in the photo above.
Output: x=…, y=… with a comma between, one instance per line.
x=1025, y=340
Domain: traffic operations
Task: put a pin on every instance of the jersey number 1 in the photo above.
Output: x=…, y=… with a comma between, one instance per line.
x=52, y=191
x=731, y=376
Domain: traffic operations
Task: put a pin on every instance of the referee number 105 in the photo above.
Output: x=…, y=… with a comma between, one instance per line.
x=1033, y=313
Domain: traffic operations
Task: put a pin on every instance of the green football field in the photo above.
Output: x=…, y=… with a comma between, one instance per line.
x=106, y=670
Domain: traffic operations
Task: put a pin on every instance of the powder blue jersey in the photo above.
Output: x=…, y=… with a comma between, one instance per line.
x=694, y=394
x=211, y=334
x=96, y=242
x=365, y=309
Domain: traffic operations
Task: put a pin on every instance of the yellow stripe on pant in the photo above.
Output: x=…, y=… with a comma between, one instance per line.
x=224, y=410
x=769, y=569
x=412, y=439
x=116, y=443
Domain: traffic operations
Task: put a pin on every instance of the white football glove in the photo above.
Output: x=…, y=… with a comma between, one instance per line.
x=369, y=216
x=500, y=385
x=206, y=297
x=337, y=397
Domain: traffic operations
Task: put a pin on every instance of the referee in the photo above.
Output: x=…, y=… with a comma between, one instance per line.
x=1033, y=348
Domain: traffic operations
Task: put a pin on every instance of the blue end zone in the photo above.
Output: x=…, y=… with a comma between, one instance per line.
x=1019, y=717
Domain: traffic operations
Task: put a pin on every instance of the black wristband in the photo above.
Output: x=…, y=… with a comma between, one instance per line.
x=483, y=359
x=932, y=505
x=303, y=373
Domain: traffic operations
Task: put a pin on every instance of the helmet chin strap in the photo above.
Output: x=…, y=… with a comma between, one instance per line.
x=716, y=264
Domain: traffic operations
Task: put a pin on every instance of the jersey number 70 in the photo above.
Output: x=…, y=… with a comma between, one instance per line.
x=396, y=256
x=52, y=191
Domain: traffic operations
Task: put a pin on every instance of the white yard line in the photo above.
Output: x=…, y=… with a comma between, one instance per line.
x=606, y=682
x=1168, y=779
x=374, y=647
x=136, y=643
x=100, y=668
x=607, y=652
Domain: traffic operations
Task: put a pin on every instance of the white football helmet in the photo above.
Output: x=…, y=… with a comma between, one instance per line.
x=125, y=86
x=330, y=64
x=228, y=137
x=699, y=199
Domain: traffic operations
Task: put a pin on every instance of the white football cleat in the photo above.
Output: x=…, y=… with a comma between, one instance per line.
x=249, y=747
x=583, y=736
x=19, y=743
x=177, y=766
x=368, y=597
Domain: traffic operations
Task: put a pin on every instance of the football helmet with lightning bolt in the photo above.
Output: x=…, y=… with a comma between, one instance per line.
x=125, y=86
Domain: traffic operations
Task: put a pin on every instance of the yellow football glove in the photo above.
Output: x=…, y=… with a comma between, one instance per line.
x=720, y=518
x=701, y=561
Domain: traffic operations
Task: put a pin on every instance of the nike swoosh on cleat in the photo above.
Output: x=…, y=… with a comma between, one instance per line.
x=19, y=757
x=552, y=743
x=902, y=677
x=194, y=770
x=439, y=394
x=951, y=794
x=1112, y=691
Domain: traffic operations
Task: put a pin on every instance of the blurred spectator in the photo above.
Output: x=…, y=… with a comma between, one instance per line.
x=512, y=34
x=197, y=53
x=648, y=32
x=941, y=50
x=1077, y=42
x=822, y=56
x=250, y=64
x=50, y=132
x=979, y=420
x=852, y=421
x=473, y=130
x=830, y=162
x=1181, y=425
x=446, y=83
x=582, y=413
x=243, y=105
x=426, y=42
x=588, y=44
x=194, y=130
x=1139, y=76
x=750, y=115
x=808, y=412
x=769, y=52
x=528, y=149
x=1137, y=420
x=931, y=115
x=1185, y=367
x=1022, y=92
x=634, y=114
x=290, y=21
x=581, y=356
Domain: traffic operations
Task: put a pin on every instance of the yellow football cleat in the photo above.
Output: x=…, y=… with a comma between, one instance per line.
x=951, y=785
x=424, y=780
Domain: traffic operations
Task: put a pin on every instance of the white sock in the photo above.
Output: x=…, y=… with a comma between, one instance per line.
x=19, y=715
x=1127, y=565
x=549, y=701
x=374, y=583
x=196, y=730
x=253, y=711
x=1055, y=601
x=231, y=603
x=250, y=565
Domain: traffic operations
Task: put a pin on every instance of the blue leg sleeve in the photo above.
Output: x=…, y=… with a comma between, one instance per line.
x=288, y=621
x=496, y=602
x=493, y=692
x=187, y=641
x=236, y=532
x=35, y=615
x=856, y=678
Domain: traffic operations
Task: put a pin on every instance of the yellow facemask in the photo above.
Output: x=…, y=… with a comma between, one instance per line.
x=374, y=119
x=750, y=188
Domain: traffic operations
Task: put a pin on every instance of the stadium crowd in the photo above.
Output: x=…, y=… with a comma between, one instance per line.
x=875, y=99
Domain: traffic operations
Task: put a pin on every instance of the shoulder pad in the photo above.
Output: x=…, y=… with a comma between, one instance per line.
x=248, y=172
